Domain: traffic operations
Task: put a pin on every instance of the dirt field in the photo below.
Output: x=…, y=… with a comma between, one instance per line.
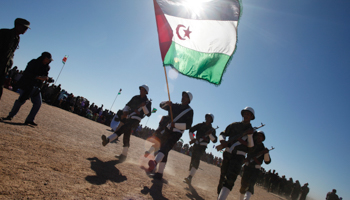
x=63, y=158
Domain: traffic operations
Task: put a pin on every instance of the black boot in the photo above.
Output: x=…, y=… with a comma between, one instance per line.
x=188, y=180
x=105, y=140
x=158, y=176
x=122, y=158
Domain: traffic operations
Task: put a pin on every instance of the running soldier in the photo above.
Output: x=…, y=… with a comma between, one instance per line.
x=235, y=153
x=158, y=137
x=183, y=117
x=130, y=117
x=205, y=133
x=252, y=165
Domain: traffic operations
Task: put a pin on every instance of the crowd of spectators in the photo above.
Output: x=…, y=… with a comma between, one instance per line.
x=272, y=182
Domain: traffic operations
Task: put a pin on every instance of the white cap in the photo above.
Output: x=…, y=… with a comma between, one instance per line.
x=211, y=115
x=189, y=95
x=145, y=87
x=250, y=109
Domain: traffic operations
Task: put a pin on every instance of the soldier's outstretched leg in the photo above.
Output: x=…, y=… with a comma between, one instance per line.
x=114, y=136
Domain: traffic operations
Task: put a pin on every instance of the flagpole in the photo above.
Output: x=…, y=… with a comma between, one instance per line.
x=167, y=85
x=59, y=73
x=146, y=122
x=115, y=99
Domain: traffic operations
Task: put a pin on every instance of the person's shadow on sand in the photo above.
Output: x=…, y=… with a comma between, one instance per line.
x=156, y=190
x=104, y=171
x=193, y=194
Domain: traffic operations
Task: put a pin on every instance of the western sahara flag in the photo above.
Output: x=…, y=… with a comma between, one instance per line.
x=64, y=60
x=198, y=38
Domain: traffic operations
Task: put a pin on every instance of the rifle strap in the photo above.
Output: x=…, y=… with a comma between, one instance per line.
x=181, y=114
x=242, y=142
x=256, y=161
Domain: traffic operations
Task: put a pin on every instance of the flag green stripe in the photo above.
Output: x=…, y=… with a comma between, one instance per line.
x=207, y=66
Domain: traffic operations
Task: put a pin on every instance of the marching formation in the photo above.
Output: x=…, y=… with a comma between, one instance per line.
x=243, y=144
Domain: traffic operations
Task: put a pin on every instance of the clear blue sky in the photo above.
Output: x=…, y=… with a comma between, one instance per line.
x=291, y=66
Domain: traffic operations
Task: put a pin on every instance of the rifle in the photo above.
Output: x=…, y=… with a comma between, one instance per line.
x=205, y=135
x=235, y=138
x=260, y=153
x=137, y=109
x=162, y=124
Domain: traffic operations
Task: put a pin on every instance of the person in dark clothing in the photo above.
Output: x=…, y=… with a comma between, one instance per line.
x=205, y=134
x=296, y=190
x=332, y=195
x=304, y=191
x=236, y=150
x=289, y=187
x=130, y=117
x=30, y=84
x=252, y=165
x=12, y=72
x=281, y=185
x=183, y=117
x=9, y=40
x=274, y=179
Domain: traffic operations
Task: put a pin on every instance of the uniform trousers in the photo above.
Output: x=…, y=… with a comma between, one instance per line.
x=197, y=152
x=249, y=178
x=130, y=124
x=230, y=169
x=168, y=144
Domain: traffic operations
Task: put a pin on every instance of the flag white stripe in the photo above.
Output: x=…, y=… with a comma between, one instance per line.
x=207, y=36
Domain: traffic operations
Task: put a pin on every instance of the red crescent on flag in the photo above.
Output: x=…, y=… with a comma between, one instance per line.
x=177, y=31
